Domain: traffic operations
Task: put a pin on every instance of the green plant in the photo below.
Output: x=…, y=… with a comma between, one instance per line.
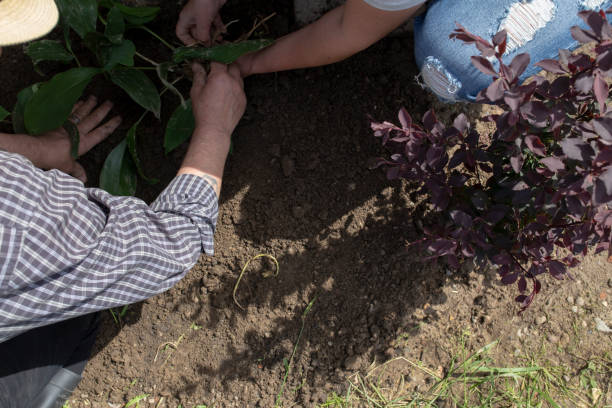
x=103, y=28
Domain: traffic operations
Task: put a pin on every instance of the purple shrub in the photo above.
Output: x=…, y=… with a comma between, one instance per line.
x=537, y=195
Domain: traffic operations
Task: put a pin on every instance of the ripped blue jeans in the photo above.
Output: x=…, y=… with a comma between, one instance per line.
x=538, y=27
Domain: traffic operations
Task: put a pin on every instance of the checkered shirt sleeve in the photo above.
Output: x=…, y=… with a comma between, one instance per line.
x=67, y=250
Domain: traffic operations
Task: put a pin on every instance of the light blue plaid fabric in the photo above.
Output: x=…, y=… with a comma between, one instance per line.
x=67, y=250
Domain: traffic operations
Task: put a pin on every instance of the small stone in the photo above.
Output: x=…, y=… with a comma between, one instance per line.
x=540, y=319
x=288, y=166
x=575, y=309
x=584, y=324
x=570, y=299
x=292, y=251
x=352, y=363
x=601, y=326
x=604, y=303
x=610, y=283
x=351, y=186
x=566, y=378
x=553, y=339
x=580, y=301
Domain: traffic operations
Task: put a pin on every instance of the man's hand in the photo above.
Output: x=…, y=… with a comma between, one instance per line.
x=54, y=147
x=218, y=104
x=196, y=20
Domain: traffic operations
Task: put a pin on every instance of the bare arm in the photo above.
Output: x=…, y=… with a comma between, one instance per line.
x=337, y=35
x=218, y=105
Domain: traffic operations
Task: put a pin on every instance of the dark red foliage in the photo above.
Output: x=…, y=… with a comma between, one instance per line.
x=544, y=181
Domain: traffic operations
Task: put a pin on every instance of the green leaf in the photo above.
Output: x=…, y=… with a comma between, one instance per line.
x=131, y=144
x=115, y=26
x=3, y=113
x=118, y=54
x=180, y=127
x=118, y=175
x=80, y=15
x=23, y=97
x=47, y=50
x=49, y=108
x=75, y=137
x=162, y=72
x=138, y=15
x=225, y=53
x=140, y=88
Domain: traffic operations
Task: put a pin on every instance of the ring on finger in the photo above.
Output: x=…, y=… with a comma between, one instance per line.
x=74, y=118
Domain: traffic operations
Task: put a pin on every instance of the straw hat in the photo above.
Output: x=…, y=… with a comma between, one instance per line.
x=25, y=20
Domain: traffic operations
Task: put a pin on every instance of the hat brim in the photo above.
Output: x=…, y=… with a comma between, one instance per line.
x=26, y=20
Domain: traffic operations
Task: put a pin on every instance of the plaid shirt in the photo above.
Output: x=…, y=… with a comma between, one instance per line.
x=67, y=250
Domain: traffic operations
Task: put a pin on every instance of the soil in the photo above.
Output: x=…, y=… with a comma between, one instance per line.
x=297, y=187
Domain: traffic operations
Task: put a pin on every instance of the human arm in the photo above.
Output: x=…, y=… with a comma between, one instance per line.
x=68, y=250
x=337, y=35
x=51, y=150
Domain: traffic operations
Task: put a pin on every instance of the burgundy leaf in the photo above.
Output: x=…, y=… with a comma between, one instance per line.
x=522, y=284
x=582, y=36
x=461, y=218
x=584, y=82
x=495, y=91
x=499, y=38
x=553, y=163
x=536, y=113
x=502, y=259
x=461, y=123
x=535, y=145
x=519, y=64
x=603, y=127
x=600, y=89
x=556, y=269
x=517, y=162
x=484, y=65
x=442, y=247
x=404, y=118
x=606, y=178
x=429, y=120
x=551, y=65
x=576, y=149
x=513, y=98
x=559, y=87
x=510, y=278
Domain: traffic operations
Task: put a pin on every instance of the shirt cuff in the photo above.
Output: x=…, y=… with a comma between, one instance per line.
x=193, y=197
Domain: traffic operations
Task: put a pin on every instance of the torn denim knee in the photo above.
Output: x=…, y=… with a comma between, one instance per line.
x=524, y=19
x=439, y=80
x=590, y=4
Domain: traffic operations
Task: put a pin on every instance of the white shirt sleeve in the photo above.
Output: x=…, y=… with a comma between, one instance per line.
x=394, y=5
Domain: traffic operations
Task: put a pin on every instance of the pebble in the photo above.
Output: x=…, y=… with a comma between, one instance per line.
x=575, y=309
x=553, y=339
x=601, y=326
x=610, y=283
x=540, y=320
x=604, y=303
x=570, y=299
x=351, y=186
x=580, y=301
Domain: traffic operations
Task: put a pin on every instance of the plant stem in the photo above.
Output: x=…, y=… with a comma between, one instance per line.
x=166, y=43
x=150, y=61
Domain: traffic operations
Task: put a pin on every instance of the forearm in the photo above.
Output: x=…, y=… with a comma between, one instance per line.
x=337, y=35
x=25, y=145
x=206, y=156
x=105, y=251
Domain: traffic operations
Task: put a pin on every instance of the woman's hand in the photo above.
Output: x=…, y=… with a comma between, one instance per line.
x=196, y=20
x=53, y=148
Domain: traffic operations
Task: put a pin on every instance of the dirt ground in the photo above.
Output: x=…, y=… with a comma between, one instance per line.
x=297, y=187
